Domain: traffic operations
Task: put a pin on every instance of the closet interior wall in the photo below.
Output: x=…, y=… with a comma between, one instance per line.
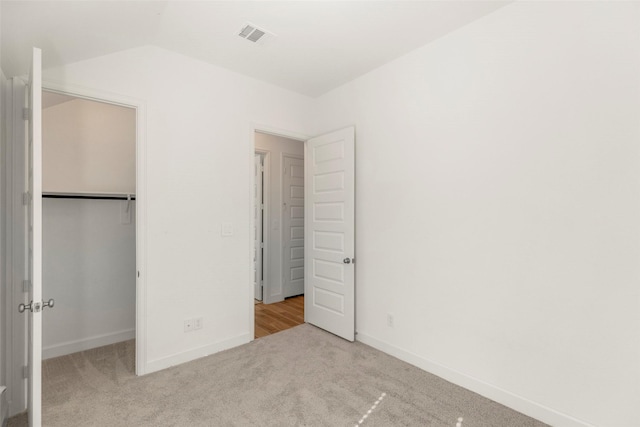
x=89, y=264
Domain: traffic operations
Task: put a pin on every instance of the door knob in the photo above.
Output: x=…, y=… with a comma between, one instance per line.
x=37, y=307
x=23, y=307
x=347, y=260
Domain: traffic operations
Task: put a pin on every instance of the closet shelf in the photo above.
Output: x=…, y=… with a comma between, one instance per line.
x=91, y=196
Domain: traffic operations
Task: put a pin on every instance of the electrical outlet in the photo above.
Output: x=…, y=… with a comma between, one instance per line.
x=193, y=324
x=197, y=323
x=390, y=320
x=227, y=229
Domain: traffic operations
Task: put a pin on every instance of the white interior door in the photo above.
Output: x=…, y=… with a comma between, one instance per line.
x=257, y=229
x=330, y=232
x=34, y=179
x=293, y=226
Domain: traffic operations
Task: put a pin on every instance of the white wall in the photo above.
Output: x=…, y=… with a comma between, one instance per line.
x=199, y=160
x=89, y=268
x=89, y=146
x=277, y=147
x=497, y=208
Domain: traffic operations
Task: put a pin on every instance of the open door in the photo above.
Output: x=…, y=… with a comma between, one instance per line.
x=33, y=200
x=330, y=232
x=257, y=228
x=293, y=226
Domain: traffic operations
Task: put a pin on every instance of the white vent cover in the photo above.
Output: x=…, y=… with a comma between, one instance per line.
x=254, y=34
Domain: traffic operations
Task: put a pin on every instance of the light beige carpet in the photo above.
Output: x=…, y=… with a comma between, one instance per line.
x=299, y=377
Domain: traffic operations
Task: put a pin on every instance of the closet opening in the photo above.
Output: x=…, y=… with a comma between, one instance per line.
x=89, y=230
x=278, y=201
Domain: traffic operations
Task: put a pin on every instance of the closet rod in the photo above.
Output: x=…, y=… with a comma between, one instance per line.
x=88, y=196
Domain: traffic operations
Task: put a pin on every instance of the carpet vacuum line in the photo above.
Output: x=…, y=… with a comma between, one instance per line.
x=374, y=406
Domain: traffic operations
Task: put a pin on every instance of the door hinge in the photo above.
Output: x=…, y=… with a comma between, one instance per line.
x=261, y=168
x=261, y=245
x=26, y=198
x=26, y=113
x=262, y=207
x=25, y=372
x=26, y=286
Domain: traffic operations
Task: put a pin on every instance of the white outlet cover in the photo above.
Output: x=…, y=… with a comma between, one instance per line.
x=227, y=229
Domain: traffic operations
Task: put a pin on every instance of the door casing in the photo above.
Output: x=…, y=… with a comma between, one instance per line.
x=15, y=184
x=259, y=226
x=15, y=249
x=253, y=128
x=277, y=132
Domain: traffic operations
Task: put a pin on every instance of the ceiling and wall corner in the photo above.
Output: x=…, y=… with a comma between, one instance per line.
x=514, y=138
x=497, y=208
x=317, y=45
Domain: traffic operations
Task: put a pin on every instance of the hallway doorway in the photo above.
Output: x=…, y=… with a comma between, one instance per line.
x=279, y=316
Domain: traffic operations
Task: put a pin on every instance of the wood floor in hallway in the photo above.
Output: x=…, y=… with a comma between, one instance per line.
x=272, y=318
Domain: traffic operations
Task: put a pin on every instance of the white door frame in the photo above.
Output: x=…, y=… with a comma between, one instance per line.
x=253, y=128
x=141, y=201
x=267, y=235
x=264, y=216
x=15, y=249
x=14, y=186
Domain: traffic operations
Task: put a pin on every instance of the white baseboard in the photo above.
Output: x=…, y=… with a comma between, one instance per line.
x=87, y=343
x=504, y=397
x=196, y=353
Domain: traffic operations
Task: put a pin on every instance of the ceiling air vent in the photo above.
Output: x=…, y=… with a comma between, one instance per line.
x=253, y=33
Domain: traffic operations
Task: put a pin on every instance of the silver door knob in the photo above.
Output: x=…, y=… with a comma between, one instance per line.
x=37, y=307
x=347, y=260
x=23, y=307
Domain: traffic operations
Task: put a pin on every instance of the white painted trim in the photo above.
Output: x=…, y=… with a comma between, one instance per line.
x=504, y=397
x=197, y=353
x=16, y=264
x=266, y=218
x=141, y=200
x=279, y=132
x=267, y=232
x=87, y=343
x=6, y=269
x=259, y=241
